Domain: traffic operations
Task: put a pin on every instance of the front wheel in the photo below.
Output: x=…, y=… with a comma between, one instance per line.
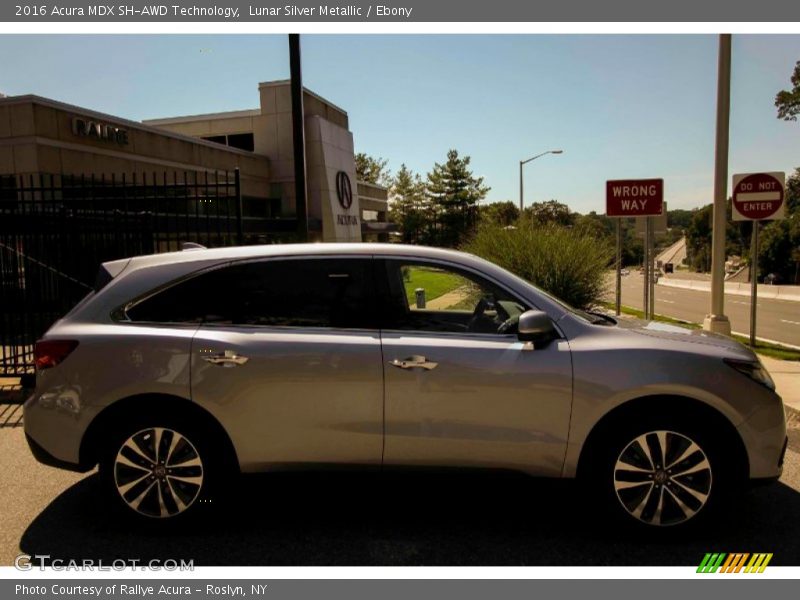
x=158, y=471
x=660, y=473
x=663, y=478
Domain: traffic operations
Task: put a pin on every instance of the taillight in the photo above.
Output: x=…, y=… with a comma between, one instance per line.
x=49, y=353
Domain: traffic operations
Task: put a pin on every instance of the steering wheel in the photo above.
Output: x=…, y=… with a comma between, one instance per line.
x=508, y=325
x=480, y=308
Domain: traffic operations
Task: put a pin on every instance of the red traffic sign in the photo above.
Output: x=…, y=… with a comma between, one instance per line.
x=758, y=196
x=634, y=197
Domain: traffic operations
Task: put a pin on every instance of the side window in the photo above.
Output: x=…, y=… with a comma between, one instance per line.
x=185, y=302
x=290, y=293
x=434, y=297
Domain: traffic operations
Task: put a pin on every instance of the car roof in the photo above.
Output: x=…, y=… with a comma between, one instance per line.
x=230, y=253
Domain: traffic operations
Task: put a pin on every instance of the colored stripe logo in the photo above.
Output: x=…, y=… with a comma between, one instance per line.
x=739, y=562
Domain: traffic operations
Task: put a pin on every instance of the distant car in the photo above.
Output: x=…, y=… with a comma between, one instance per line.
x=669, y=268
x=624, y=272
x=183, y=369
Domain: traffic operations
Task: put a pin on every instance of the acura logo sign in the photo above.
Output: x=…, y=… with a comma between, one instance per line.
x=99, y=131
x=344, y=191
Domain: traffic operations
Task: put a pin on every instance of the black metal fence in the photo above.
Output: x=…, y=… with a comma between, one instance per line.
x=56, y=229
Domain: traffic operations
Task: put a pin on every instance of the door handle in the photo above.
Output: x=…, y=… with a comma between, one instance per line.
x=414, y=362
x=228, y=358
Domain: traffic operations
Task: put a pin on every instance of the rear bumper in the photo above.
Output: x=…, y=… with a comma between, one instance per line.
x=44, y=457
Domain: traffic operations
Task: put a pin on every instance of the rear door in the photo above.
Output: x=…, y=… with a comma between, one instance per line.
x=289, y=360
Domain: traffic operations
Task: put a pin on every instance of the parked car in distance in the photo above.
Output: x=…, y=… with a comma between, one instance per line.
x=181, y=370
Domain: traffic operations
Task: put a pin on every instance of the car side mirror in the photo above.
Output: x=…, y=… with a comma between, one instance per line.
x=537, y=327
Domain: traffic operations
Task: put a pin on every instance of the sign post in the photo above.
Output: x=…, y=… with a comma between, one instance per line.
x=753, y=281
x=651, y=276
x=618, y=298
x=757, y=197
x=636, y=198
x=646, y=265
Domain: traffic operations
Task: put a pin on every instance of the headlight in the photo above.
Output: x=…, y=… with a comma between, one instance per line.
x=754, y=370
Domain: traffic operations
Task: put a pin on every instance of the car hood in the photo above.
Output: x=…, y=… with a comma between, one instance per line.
x=673, y=333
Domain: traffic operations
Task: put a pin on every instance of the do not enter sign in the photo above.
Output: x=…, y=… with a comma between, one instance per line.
x=758, y=196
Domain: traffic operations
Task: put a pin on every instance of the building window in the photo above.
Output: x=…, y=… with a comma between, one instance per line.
x=242, y=141
x=217, y=139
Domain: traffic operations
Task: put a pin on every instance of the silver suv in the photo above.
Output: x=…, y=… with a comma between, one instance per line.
x=183, y=369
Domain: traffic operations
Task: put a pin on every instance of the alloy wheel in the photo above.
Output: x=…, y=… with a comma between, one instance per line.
x=662, y=478
x=158, y=472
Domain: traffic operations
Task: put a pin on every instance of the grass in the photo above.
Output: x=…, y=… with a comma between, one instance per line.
x=771, y=350
x=436, y=283
x=766, y=348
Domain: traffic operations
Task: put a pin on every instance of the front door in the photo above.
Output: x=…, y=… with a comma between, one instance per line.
x=461, y=390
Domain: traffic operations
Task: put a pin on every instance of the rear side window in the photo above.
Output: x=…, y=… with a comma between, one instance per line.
x=285, y=293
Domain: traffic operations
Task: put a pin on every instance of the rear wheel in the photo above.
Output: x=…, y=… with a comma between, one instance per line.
x=160, y=470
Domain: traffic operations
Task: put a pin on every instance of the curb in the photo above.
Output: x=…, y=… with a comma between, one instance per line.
x=792, y=417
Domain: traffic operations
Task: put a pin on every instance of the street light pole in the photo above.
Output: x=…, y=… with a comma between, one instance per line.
x=524, y=162
x=298, y=136
x=716, y=320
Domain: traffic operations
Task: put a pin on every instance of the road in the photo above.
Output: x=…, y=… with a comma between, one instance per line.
x=777, y=320
x=374, y=519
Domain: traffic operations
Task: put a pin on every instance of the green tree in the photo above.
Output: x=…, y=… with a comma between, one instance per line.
x=698, y=239
x=408, y=205
x=373, y=170
x=551, y=211
x=632, y=246
x=454, y=193
x=788, y=101
x=679, y=218
x=502, y=214
x=780, y=240
x=600, y=226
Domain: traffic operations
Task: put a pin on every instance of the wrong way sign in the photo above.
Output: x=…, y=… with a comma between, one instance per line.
x=758, y=196
x=634, y=197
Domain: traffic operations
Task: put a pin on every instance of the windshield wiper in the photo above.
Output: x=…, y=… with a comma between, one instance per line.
x=602, y=319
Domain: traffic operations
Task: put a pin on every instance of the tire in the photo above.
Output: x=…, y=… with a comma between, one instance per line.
x=639, y=489
x=160, y=469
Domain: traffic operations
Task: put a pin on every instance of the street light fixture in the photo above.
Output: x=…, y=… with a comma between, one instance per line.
x=521, y=163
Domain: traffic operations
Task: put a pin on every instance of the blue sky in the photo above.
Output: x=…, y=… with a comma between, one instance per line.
x=619, y=106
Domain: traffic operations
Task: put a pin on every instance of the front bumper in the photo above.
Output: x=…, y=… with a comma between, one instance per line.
x=765, y=439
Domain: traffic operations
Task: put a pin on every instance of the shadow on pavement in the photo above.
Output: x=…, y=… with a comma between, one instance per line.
x=407, y=519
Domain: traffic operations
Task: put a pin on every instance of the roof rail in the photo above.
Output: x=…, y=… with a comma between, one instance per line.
x=192, y=246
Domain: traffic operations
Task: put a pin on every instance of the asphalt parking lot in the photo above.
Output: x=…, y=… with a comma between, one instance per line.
x=375, y=519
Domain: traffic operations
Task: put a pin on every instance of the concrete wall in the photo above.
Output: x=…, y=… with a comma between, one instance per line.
x=329, y=150
x=36, y=136
x=780, y=292
x=271, y=125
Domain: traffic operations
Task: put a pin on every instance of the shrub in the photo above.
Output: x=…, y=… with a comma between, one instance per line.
x=568, y=263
